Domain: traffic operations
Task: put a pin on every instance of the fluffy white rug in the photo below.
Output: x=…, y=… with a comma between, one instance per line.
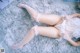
x=15, y=23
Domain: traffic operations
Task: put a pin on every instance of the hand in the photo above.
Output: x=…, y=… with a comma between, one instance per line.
x=17, y=46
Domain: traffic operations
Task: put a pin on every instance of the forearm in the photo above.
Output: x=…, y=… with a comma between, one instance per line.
x=75, y=15
x=68, y=38
x=73, y=42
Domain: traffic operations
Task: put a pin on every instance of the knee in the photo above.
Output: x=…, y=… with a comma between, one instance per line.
x=35, y=29
x=37, y=18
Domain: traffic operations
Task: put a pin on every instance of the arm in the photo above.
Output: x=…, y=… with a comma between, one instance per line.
x=73, y=42
x=68, y=38
x=75, y=15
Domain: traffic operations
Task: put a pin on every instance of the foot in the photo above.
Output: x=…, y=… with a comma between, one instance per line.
x=17, y=46
x=22, y=5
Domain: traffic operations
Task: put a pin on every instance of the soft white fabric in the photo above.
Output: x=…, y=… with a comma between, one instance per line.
x=71, y=26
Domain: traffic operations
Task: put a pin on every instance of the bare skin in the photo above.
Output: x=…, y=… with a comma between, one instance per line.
x=51, y=32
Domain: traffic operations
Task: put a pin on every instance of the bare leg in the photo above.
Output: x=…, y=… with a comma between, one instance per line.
x=49, y=19
x=44, y=31
x=30, y=10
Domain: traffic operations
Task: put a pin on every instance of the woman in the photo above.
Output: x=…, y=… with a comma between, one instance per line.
x=58, y=26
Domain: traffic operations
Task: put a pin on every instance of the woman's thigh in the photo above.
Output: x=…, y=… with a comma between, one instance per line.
x=49, y=19
x=48, y=31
